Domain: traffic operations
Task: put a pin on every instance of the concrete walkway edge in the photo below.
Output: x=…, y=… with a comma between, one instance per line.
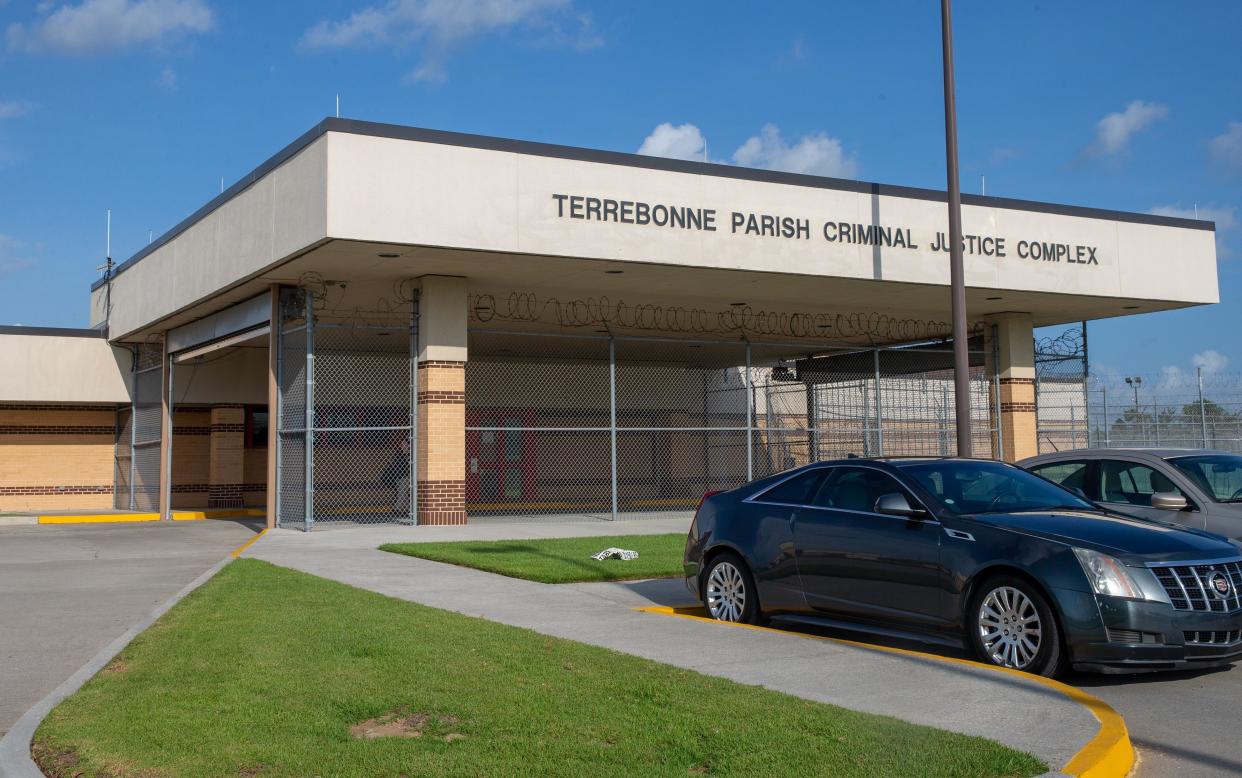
x=15, y=760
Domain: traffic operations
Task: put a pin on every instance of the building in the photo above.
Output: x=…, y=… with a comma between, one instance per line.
x=384, y=323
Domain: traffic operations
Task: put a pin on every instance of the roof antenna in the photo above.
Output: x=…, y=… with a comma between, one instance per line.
x=1196, y=210
x=338, y=105
x=984, y=185
x=106, y=267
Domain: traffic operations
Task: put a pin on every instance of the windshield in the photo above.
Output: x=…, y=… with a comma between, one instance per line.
x=1219, y=475
x=968, y=486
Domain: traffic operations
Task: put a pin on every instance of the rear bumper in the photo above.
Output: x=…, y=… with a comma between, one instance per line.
x=1142, y=636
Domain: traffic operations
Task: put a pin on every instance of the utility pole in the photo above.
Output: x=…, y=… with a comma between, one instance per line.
x=957, y=276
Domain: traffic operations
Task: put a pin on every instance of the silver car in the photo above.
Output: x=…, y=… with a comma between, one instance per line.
x=1200, y=488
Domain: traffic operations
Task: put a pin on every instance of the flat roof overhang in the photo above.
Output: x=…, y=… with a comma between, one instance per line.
x=359, y=280
x=494, y=211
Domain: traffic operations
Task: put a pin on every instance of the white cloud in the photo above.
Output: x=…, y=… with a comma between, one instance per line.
x=1211, y=361
x=1225, y=217
x=442, y=25
x=1226, y=148
x=683, y=141
x=1114, y=131
x=14, y=109
x=97, y=26
x=816, y=154
x=167, y=80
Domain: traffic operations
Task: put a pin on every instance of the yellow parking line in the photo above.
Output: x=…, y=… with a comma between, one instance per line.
x=1109, y=754
x=97, y=518
x=224, y=513
x=238, y=551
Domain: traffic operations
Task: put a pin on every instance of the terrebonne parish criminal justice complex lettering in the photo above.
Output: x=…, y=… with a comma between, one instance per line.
x=684, y=217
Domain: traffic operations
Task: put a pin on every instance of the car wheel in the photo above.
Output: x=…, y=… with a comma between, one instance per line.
x=729, y=591
x=1011, y=624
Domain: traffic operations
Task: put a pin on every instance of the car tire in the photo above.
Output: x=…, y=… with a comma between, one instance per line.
x=729, y=592
x=1010, y=623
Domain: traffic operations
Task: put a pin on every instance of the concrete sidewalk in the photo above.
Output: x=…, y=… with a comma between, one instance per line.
x=1004, y=707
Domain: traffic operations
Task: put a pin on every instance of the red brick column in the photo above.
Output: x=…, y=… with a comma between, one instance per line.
x=441, y=442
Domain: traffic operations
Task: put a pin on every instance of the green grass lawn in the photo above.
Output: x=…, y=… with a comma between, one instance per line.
x=264, y=671
x=559, y=560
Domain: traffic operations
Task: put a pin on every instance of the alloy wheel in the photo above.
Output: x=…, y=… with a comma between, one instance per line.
x=1009, y=627
x=726, y=592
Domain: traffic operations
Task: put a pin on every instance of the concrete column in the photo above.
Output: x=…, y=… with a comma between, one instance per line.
x=1010, y=347
x=166, y=433
x=442, y=400
x=273, y=406
x=226, y=471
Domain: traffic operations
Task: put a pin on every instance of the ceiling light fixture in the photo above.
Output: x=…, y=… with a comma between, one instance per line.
x=389, y=255
x=614, y=272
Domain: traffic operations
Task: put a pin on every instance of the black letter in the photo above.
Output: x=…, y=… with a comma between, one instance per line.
x=560, y=205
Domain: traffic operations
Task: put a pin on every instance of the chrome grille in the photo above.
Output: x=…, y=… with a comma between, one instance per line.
x=1217, y=638
x=1188, y=588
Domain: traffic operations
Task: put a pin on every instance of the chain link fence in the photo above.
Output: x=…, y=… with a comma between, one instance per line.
x=346, y=417
x=1076, y=408
x=602, y=426
x=136, y=476
x=1171, y=410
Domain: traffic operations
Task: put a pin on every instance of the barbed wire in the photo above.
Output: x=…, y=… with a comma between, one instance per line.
x=1069, y=344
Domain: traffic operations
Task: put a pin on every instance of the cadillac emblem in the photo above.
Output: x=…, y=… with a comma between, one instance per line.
x=1219, y=583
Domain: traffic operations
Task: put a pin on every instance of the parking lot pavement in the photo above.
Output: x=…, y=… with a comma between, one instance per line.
x=69, y=590
x=1183, y=724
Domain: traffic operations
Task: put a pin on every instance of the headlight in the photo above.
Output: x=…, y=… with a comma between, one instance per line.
x=1108, y=575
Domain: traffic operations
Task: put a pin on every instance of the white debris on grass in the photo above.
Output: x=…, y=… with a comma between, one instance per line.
x=620, y=553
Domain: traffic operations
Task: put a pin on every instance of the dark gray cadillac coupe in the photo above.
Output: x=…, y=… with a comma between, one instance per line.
x=969, y=553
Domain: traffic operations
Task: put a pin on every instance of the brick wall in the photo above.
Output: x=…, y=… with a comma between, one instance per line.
x=56, y=457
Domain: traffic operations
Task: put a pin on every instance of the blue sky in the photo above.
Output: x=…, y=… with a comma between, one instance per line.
x=142, y=106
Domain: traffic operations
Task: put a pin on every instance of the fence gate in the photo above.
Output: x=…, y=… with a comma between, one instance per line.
x=347, y=415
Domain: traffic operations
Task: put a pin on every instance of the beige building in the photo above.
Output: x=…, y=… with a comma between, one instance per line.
x=384, y=323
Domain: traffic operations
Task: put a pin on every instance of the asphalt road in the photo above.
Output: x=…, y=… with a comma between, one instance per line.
x=66, y=591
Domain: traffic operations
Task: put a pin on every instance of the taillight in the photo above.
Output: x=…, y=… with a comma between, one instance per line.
x=703, y=499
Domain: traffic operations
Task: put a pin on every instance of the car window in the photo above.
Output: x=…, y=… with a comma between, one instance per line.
x=1131, y=483
x=795, y=491
x=1220, y=475
x=1071, y=475
x=856, y=489
x=977, y=486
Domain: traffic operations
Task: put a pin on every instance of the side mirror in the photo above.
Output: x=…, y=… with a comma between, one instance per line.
x=896, y=504
x=1169, y=501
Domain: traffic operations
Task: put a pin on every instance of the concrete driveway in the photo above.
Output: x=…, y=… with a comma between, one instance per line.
x=69, y=590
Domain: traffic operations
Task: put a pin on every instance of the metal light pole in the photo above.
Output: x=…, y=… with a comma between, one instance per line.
x=957, y=276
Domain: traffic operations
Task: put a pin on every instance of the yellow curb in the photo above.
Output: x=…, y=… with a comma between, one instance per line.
x=240, y=549
x=98, y=518
x=228, y=513
x=1109, y=754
